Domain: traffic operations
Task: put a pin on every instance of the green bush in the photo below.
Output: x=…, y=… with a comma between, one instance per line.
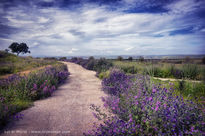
x=120, y=58
x=103, y=75
x=153, y=71
x=130, y=58
x=6, y=70
x=129, y=69
x=191, y=89
x=102, y=65
x=190, y=71
x=203, y=60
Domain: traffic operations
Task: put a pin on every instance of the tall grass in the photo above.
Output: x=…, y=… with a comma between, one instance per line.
x=190, y=71
x=191, y=90
x=163, y=70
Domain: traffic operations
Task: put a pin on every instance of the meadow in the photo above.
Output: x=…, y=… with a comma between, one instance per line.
x=18, y=92
x=143, y=105
x=12, y=64
x=163, y=69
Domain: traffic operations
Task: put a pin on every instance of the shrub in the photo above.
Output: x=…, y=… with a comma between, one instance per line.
x=103, y=75
x=190, y=71
x=130, y=58
x=154, y=71
x=99, y=66
x=112, y=85
x=16, y=92
x=120, y=58
x=187, y=59
x=91, y=58
x=129, y=69
x=74, y=59
x=102, y=65
x=203, y=60
x=141, y=59
x=90, y=64
x=62, y=58
x=192, y=89
x=203, y=75
x=143, y=108
x=177, y=73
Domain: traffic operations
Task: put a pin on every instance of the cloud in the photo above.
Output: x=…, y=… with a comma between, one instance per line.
x=129, y=48
x=104, y=28
x=184, y=6
x=72, y=50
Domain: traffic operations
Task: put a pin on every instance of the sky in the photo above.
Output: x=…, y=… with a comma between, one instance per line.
x=104, y=27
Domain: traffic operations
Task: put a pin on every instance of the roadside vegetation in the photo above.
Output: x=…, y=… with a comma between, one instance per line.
x=186, y=72
x=163, y=70
x=143, y=105
x=12, y=64
x=17, y=92
x=98, y=65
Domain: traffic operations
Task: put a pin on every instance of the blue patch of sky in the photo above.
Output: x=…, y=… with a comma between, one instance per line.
x=183, y=31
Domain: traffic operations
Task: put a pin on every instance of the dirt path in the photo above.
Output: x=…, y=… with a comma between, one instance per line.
x=67, y=111
x=171, y=79
x=26, y=72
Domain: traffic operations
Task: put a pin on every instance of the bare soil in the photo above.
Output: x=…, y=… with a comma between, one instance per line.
x=172, y=79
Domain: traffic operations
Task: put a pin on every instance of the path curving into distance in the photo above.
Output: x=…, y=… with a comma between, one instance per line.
x=66, y=111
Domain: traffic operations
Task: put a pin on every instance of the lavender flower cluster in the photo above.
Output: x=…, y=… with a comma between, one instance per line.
x=143, y=108
x=91, y=63
x=116, y=87
x=36, y=85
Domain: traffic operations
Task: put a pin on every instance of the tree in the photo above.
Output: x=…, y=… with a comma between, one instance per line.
x=141, y=58
x=203, y=60
x=91, y=58
x=62, y=58
x=130, y=58
x=19, y=48
x=119, y=58
x=6, y=50
x=187, y=59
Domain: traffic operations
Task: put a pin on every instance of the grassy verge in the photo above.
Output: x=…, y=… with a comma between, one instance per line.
x=189, y=90
x=12, y=64
x=163, y=70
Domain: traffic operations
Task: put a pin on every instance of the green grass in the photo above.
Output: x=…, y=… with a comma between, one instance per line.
x=188, y=89
x=21, y=104
x=11, y=64
x=19, y=93
x=103, y=75
x=163, y=70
